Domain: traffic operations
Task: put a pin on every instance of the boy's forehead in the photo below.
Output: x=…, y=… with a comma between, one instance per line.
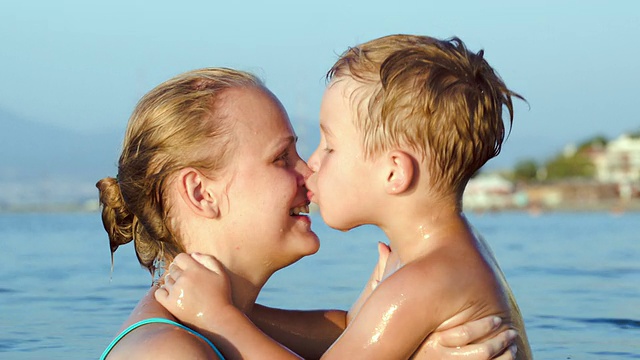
x=344, y=97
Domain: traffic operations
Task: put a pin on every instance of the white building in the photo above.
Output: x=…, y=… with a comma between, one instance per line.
x=488, y=191
x=619, y=162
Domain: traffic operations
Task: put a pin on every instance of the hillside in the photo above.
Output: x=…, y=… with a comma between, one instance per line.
x=44, y=163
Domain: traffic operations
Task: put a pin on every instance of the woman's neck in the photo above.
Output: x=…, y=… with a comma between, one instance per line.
x=243, y=292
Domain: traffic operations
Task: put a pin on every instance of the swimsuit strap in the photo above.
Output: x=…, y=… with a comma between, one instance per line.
x=152, y=321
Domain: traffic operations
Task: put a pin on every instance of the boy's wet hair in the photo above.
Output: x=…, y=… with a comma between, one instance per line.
x=435, y=96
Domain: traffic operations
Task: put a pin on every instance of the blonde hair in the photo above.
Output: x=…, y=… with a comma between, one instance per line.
x=167, y=132
x=432, y=95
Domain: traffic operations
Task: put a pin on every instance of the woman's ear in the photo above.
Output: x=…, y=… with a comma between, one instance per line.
x=197, y=192
x=400, y=172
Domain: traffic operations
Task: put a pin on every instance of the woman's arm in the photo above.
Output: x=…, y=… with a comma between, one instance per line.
x=308, y=333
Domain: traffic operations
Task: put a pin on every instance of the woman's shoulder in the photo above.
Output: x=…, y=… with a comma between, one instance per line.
x=162, y=341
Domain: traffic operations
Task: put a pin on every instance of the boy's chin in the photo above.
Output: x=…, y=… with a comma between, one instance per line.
x=338, y=223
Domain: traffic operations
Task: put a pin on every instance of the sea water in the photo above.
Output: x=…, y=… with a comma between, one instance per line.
x=576, y=277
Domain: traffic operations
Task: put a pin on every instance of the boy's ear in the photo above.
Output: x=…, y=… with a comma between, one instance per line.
x=400, y=172
x=197, y=192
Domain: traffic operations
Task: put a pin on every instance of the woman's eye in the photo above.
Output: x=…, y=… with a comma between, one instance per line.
x=283, y=158
x=328, y=150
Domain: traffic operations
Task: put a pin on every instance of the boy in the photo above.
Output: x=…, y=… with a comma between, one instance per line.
x=405, y=122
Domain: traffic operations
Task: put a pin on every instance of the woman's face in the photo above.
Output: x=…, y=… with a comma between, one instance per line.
x=266, y=185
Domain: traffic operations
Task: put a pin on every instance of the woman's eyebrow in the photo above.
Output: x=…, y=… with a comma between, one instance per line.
x=284, y=143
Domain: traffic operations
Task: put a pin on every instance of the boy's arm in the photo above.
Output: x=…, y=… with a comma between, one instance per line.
x=310, y=332
x=238, y=337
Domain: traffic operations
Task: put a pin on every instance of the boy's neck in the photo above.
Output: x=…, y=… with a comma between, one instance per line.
x=416, y=230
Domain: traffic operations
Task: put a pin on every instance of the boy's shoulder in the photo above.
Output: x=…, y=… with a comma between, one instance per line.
x=441, y=281
x=434, y=275
x=406, y=307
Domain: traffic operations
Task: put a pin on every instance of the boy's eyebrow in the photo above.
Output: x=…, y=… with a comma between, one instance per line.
x=325, y=129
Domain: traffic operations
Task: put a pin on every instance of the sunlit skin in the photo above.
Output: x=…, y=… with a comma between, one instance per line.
x=242, y=216
x=369, y=324
x=438, y=268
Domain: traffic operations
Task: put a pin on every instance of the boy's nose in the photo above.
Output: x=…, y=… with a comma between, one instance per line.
x=313, y=161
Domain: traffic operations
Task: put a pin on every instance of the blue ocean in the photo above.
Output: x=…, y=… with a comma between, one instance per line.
x=576, y=277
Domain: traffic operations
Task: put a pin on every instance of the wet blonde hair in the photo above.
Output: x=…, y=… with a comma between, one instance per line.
x=434, y=96
x=174, y=126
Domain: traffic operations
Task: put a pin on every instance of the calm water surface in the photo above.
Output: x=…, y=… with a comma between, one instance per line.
x=576, y=278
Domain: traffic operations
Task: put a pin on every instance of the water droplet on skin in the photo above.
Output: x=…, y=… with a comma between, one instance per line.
x=179, y=302
x=424, y=233
x=382, y=326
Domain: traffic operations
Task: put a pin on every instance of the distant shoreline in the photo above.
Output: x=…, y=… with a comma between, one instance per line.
x=600, y=206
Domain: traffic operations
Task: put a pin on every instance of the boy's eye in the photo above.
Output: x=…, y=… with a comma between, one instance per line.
x=328, y=150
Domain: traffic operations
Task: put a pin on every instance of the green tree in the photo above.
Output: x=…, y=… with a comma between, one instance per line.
x=574, y=166
x=598, y=141
x=525, y=170
x=635, y=134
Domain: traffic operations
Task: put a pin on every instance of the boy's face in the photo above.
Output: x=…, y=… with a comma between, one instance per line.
x=343, y=181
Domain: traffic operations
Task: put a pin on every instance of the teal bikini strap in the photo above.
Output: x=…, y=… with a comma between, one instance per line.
x=151, y=321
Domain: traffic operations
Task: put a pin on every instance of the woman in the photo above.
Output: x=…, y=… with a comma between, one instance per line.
x=209, y=165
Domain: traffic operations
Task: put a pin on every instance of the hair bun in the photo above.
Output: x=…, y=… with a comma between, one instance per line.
x=116, y=217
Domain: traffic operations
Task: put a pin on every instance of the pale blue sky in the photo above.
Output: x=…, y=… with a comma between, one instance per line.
x=83, y=65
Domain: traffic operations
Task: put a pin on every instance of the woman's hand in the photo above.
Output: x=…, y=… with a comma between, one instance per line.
x=458, y=342
x=196, y=290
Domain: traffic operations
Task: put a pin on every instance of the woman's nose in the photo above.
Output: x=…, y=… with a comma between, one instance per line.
x=304, y=171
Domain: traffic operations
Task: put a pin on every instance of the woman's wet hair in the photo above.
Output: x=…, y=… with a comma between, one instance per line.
x=179, y=124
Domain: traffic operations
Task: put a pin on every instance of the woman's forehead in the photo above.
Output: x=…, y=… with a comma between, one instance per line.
x=257, y=115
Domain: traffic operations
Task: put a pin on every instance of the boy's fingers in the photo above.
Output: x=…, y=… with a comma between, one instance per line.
x=183, y=261
x=161, y=294
x=208, y=261
x=169, y=280
x=508, y=354
x=383, y=249
x=469, y=332
x=383, y=256
x=174, y=272
x=501, y=346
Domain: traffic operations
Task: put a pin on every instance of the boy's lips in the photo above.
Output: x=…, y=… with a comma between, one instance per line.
x=310, y=195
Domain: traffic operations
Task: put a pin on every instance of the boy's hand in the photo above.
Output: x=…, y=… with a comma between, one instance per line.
x=377, y=275
x=184, y=295
x=379, y=272
x=458, y=342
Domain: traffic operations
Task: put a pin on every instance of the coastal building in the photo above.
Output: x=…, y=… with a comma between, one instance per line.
x=619, y=161
x=488, y=192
